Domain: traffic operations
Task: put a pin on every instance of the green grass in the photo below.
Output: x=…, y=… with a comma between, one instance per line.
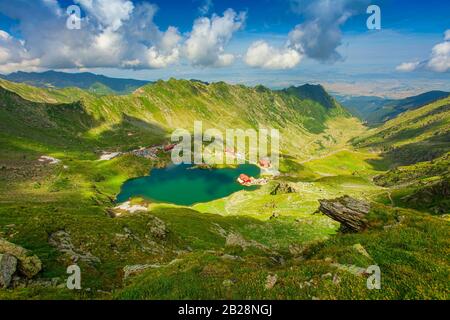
x=286, y=235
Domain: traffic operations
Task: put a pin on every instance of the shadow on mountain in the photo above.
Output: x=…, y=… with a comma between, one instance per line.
x=67, y=126
x=412, y=153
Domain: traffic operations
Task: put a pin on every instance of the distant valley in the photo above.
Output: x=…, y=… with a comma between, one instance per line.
x=376, y=110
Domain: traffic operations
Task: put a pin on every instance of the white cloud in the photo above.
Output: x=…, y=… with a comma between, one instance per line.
x=13, y=55
x=113, y=34
x=317, y=38
x=447, y=35
x=206, y=43
x=440, y=57
x=439, y=60
x=261, y=54
x=109, y=13
x=407, y=66
x=206, y=7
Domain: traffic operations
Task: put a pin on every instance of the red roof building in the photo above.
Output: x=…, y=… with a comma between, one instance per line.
x=245, y=178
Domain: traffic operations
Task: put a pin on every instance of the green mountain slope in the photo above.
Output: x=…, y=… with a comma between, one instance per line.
x=315, y=93
x=86, y=80
x=161, y=107
x=375, y=110
x=229, y=248
x=423, y=186
x=414, y=136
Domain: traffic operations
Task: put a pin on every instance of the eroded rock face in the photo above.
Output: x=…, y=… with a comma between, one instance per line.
x=284, y=188
x=157, y=228
x=62, y=241
x=8, y=265
x=27, y=264
x=350, y=212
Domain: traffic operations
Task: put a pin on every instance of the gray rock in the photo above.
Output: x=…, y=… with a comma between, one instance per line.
x=284, y=188
x=157, y=228
x=27, y=264
x=8, y=266
x=271, y=280
x=133, y=270
x=350, y=212
x=62, y=241
x=231, y=257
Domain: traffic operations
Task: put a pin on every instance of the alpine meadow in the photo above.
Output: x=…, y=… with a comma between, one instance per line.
x=350, y=202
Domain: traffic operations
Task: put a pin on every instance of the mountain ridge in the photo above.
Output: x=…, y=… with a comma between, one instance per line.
x=376, y=111
x=85, y=80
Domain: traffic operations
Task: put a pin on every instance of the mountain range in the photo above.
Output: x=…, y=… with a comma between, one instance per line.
x=92, y=82
x=376, y=110
x=58, y=196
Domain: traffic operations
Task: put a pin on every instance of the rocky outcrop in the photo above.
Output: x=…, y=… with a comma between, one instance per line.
x=8, y=266
x=271, y=280
x=62, y=241
x=157, y=228
x=284, y=188
x=432, y=195
x=350, y=212
x=27, y=264
x=136, y=269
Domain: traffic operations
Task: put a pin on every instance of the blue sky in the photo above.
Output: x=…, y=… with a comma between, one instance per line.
x=273, y=42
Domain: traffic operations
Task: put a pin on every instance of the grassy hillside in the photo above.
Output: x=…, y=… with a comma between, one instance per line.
x=94, y=83
x=161, y=107
x=423, y=186
x=414, y=136
x=375, y=110
x=232, y=247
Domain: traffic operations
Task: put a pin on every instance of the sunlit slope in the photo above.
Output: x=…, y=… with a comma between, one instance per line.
x=157, y=109
x=418, y=135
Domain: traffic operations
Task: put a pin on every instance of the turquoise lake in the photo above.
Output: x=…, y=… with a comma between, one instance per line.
x=187, y=185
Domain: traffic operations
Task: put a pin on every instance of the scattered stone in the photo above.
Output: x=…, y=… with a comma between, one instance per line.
x=106, y=156
x=8, y=266
x=231, y=257
x=336, y=279
x=399, y=220
x=271, y=280
x=284, y=188
x=360, y=249
x=309, y=283
x=133, y=270
x=218, y=229
x=326, y=275
x=157, y=228
x=18, y=282
x=355, y=270
x=348, y=211
x=49, y=160
x=62, y=241
x=296, y=250
x=27, y=263
x=236, y=240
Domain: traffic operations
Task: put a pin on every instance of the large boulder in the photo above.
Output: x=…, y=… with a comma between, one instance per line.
x=350, y=212
x=8, y=265
x=28, y=264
